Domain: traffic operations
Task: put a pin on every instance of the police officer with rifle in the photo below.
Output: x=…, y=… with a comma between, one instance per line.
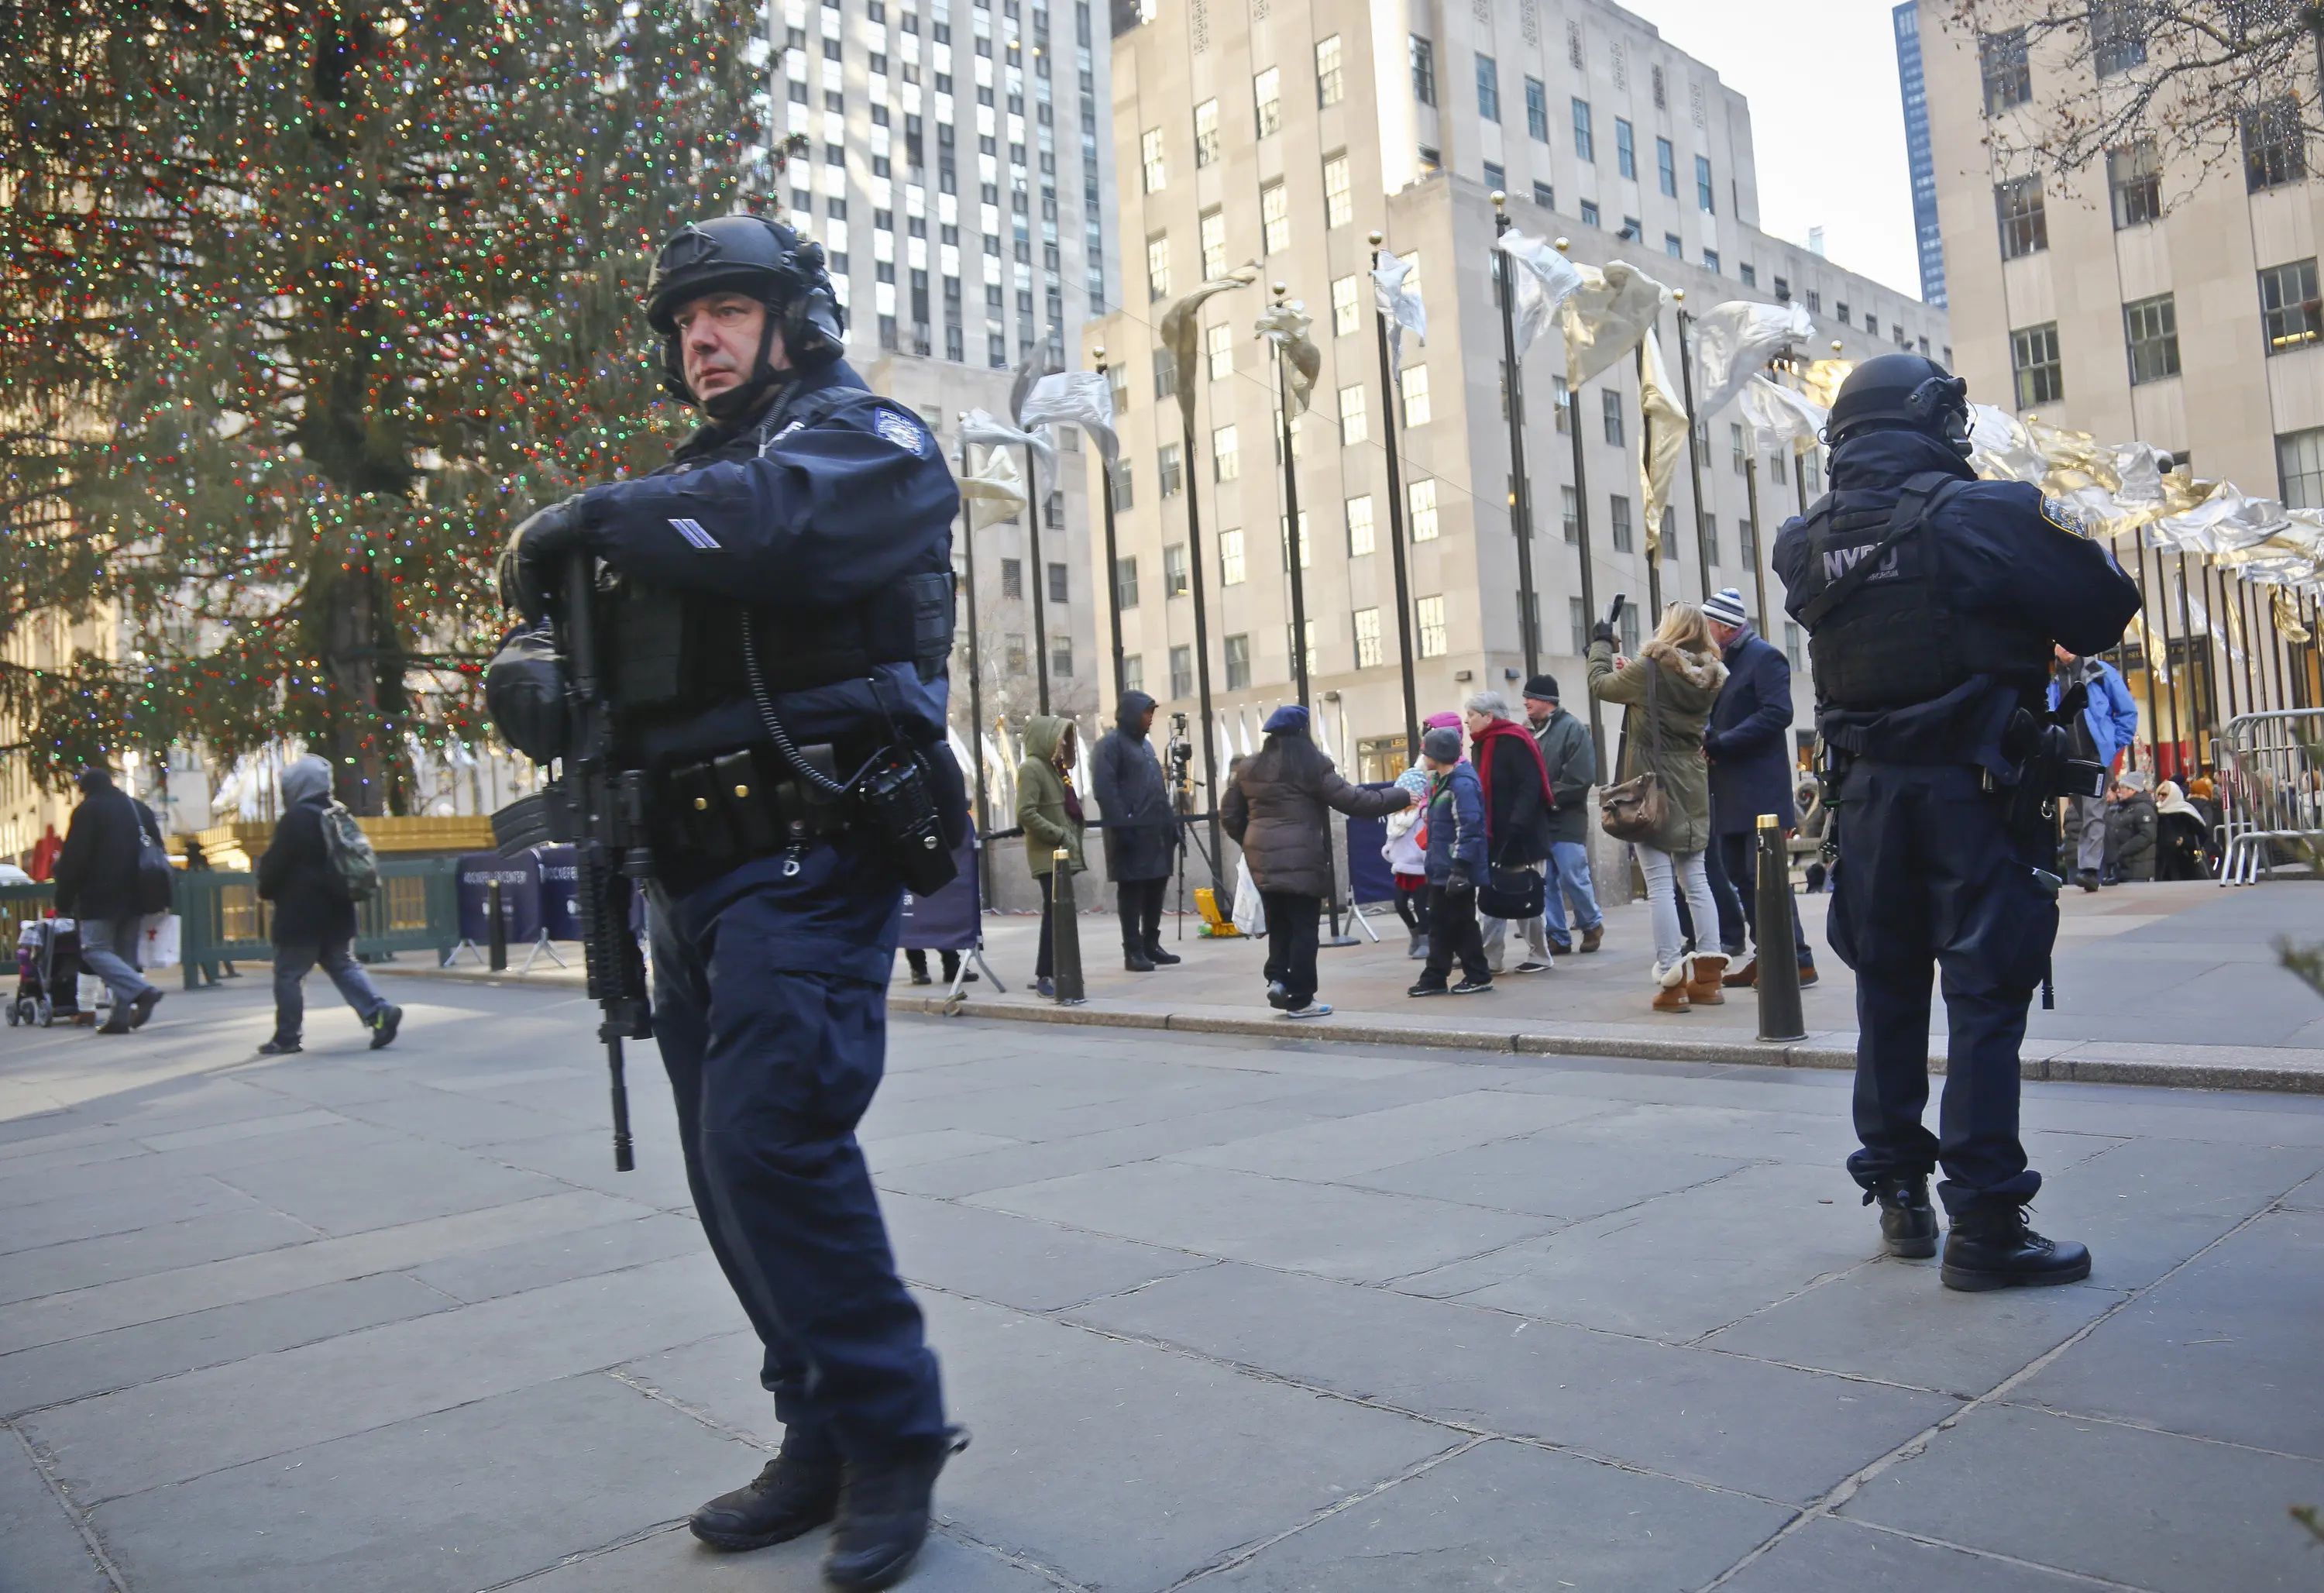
x=1932, y=601
x=740, y=662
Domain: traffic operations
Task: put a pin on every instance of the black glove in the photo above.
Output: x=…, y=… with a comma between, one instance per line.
x=1602, y=632
x=536, y=550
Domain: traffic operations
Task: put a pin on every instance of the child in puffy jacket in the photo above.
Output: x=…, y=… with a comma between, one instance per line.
x=1455, y=865
x=1408, y=862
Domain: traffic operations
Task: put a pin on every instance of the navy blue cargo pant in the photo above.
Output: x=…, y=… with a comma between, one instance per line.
x=770, y=1008
x=1930, y=880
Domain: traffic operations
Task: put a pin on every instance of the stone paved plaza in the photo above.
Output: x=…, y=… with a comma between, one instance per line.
x=1221, y=1311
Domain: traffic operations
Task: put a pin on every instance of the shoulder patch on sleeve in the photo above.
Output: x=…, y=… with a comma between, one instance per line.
x=903, y=431
x=2055, y=511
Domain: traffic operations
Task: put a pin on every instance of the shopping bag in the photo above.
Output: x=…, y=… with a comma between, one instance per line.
x=157, y=942
x=1249, y=912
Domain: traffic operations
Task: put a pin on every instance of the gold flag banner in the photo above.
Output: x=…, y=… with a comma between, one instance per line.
x=1665, y=440
x=1182, y=331
x=1283, y=327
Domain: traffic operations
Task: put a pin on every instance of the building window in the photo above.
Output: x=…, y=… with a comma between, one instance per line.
x=2150, y=328
x=1174, y=580
x=1544, y=196
x=1711, y=540
x=1061, y=655
x=1166, y=374
x=1355, y=419
x=1488, y=88
x=1747, y=541
x=1237, y=651
x=2034, y=354
x=2300, y=468
x=1430, y=614
x=2274, y=148
x=2025, y=228
x=1182, y=672
x=1133, y=673
x=1710, y=261
x=1273, y=218
x=1629, y=630
x=1564, y=404
x=2117, y=36
x=1577, y=620
x=1232, y=570
x=1792, y=646
x=1212, y=233
x=1149, y=155
x=1347, y=305
x=1666, y=167
x=1365, y=623
x=1415, y=384
x=1625, y=154
x=1610, y=406
x=1168, y=471
x=1125, y=581
x=1569, y=514
x=1420, y=502
x=1588, y=212
x=1330, y=84
x=1360, y=536
x=1431, y=160
x=1226, y=454
x=1674, y=246
x=1122, y=500
x=1220, y=350
x=1012, y=578
x=1157, y=266
x=1705, y=200
x=2134, y=176
x=1283, y=539
x=2002, y=62
x=1423, y=70
x=2289, y=313
x=1617, y=520
x=1060, y=587
x=1012, y=653
x=1585, y=148
x=1749, y=273
x=1338, y=192
x=1738, y=451
x=1536, y=95
x=1495, y=182
x=1842, y=306
x=1267, y=100
x=1206, y=133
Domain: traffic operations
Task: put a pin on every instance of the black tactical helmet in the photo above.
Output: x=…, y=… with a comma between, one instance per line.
x=765, y=260
x=1906, y=391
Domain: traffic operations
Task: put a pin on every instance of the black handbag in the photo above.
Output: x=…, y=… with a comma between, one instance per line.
x=1511, y=893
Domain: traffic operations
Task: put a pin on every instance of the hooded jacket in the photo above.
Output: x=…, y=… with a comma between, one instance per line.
x=1278, y=811
x=97, y=869
x=1133, y=798
x=1456, y=828
x=1751, y=754
x=311, y=904
x=1041, y=792
x=1685, y=687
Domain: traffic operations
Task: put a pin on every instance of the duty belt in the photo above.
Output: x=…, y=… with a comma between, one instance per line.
x=729, y=809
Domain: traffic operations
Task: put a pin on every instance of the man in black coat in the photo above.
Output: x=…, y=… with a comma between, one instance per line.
x=96, y=884
x=1748, y=744
x=314, y=918
x=1518, y=805
x=1141, y=830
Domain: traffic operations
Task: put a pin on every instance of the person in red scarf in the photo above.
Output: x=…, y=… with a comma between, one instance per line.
x=1518, y=805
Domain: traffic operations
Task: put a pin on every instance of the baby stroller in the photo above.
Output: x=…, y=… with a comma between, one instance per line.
x=47, y=973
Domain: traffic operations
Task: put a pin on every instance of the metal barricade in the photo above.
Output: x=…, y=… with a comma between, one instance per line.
x=221, y=920
x=2271, y=794
x=19, y=905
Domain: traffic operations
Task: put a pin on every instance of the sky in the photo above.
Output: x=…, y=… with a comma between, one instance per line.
x=1827, y=120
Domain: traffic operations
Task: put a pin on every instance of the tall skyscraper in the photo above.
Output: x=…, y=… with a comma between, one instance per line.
x=1917, y=155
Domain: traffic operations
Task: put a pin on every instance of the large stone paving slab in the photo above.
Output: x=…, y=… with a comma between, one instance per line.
x=674, y=1560
x=1552, y=1175
x=40, y=1549
x=1018, y=1261
x=1842, y=1556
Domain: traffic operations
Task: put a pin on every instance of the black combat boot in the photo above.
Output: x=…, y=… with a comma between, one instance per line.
x=1998, y=1249
x=884, y=1513
x=1134, y=958
x=1159, y=958
x=1908, y=1224
x=791, y=1495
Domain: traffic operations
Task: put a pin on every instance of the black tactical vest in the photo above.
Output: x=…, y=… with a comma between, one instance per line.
x=1893, y=633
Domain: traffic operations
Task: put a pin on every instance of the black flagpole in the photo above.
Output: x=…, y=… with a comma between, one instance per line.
x=1395, y=530
x=1582, y=539
x=1520, y=489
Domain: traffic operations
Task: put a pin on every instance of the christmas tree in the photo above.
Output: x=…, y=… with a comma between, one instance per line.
x=302, y=307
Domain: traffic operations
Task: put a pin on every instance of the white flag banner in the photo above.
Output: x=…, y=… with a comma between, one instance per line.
x=980, y=430
x=1546, y=280
x=1283, y=327
x=1606, y=315
x=1733, y=340
x=1395, y=294
x=995, y=489
x=1075, y=398
x=1779, y=417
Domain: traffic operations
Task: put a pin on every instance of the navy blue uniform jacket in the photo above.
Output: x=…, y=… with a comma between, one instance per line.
x=1747, y=738
x=1996, y=550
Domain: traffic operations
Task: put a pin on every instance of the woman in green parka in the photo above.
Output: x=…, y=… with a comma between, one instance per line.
x=1684, y=664
x=1050, y=812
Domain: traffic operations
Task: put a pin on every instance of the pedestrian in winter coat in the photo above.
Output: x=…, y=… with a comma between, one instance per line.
x=1141, y=831
x=1679, y=672
x=2131, y=824
x=1571, y=758
x=1748, y=745
x=313, y=917
x=1456, y=864
x=1515, y=781
x=1407, y=861
x=1049, y=810
x=1278, y=811
x=96, y=884
x=2182, y=844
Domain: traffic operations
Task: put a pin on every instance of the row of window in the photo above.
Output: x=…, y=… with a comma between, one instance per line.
x=2291, y=317
x=2118, y=43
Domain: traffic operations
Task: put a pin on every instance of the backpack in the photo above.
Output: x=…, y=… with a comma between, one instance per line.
x=352, y=858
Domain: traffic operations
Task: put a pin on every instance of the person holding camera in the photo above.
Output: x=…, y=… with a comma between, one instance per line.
x=1933, y=602
x=2103, y=733
x=776, y=611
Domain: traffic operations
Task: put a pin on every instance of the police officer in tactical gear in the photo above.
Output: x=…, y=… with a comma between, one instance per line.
x=788, y=576
x=1933, y=600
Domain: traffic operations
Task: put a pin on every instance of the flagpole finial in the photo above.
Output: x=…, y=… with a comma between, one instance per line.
x=1098, y=354
x=1679, y=295
x=1563, y=245
x=1499, y=199
x=1281, y=289
x=1377, y=238
x=1836, y=345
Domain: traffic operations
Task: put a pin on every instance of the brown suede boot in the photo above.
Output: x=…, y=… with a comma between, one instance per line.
x=1702, y=983
x=1669, y=993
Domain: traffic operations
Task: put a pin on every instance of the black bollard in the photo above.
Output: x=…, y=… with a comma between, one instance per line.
x=498, y=930
x=1065, y=934
x=1778, y=966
